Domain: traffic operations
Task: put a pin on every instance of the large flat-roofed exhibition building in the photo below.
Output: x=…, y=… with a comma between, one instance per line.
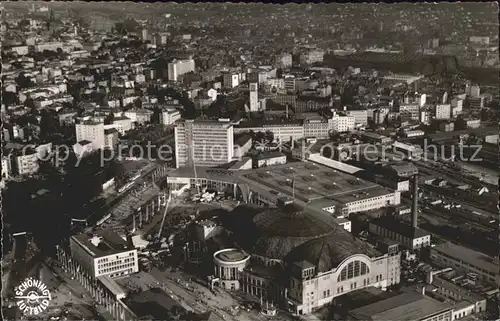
x=319, y=185
x=315, y=185
x=451, y=254
x=404, y=307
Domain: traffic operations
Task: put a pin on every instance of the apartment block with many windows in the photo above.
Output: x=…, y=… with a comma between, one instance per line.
x=203, y=143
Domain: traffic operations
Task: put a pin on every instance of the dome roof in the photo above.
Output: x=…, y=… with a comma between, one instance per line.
x=291, y=221
x=326, y=253
x=277, y=247
x=280, y=230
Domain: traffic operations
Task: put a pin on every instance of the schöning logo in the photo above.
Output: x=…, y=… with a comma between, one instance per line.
x=33, y=297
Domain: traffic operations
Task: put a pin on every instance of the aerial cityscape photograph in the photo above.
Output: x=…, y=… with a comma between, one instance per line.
x=250, y=161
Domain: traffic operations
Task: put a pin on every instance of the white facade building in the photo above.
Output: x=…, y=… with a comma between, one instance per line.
x=281, y=132
x=27, y=164
x=412, y=110
x=228, y=267
x=360, y=116
x=230, y=80
x=122, y=124
x=254, y=97
x=91, y=131
x=475, y=91
x=203, y=143
x=310, y=289
x=170, y=116
x=104, y=253
x=179, y=67
x=5, y=168
x=456, y=107
x=212, y=93
x=341, y=123
x=443, y=111
x=270, y=160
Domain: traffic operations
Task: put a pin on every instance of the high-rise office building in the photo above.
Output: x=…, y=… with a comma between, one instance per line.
x=203, y=143
x=254, y=97
x=180, y=67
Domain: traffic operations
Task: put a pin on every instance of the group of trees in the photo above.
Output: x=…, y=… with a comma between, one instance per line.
x=68, y=193
x=9, y=98
x=262, y=137
x=188, y=111
x=48, y=125
x=126, y=26
x=86, y=175
x=48, y=55
x=24, y=82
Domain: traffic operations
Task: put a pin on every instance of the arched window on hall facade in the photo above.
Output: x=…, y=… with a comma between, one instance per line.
x=353, y=270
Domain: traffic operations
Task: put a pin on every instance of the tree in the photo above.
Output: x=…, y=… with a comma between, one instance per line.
x=269, y=136
x=260, y=137
x=48, y=125
x=109, y=119
x=440, y=67
x=127, y=26
x=23, y=23
x=428, y=69
x=159, y=65
x=9, y=98
x=30, y=104
x=120, y=28
x=138, y=103
x=23, y=82
x=51, y=20
x=131, y=25
x=82, y=22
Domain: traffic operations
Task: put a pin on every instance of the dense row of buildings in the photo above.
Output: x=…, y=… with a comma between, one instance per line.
x=303, y=148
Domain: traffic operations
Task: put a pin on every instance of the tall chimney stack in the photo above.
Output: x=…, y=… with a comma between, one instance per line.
x=414, y=207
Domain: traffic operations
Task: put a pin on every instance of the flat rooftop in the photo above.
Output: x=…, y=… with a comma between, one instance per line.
x=223, y=123
x=154, y=304
x=112, y=286
x=232, y=256
x=466, y=291
x=212, y=173
x=264, y=271
x=314, y=182
x=102, y=243
x=397, y=226
x=481, y=131
x=131, y=202
x=405, y=307
x=467, y=255
x=363, y=297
